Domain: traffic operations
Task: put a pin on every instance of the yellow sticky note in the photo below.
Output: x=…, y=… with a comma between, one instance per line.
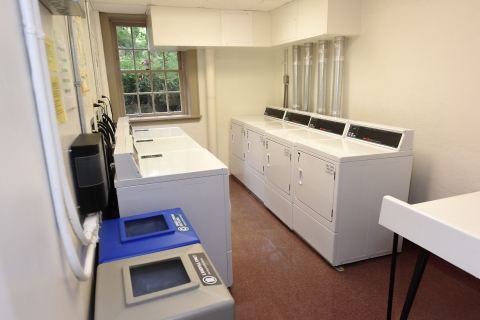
x=52, y=61
x=57, y=100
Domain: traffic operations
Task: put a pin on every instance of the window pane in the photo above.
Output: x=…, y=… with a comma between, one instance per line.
x=174, y=102
x=160, y=103
x=144, y=82
x=141, y=60
x=124, y=37
x=126, y=59
x=156, y=60
x=171, y=61
x=140, y=37
x=146, y=103
x=158, y=82
x=130, y=104
x=129, y=83
x=173, y=81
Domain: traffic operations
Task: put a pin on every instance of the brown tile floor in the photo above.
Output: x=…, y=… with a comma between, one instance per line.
x=278, y=276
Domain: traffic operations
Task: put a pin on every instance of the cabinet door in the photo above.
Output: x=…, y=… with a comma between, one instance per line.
x=278, y=164
x=236, y=140
x=254, y=150
x=314, y=181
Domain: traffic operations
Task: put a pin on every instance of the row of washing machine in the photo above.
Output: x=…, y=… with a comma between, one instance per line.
x=324, y=177
x=162, y=168
x=152, y=266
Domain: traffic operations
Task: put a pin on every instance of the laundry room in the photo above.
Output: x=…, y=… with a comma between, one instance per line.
x=254, y=159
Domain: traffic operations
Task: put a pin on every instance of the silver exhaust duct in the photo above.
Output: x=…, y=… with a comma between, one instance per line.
x=307, y=74
x=322, y=77
x=296, y=69
x=285, y=78
x=338, y=76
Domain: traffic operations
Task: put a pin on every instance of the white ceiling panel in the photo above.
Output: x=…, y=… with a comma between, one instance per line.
x=139, y=6
x=119, y=8
x=129, y=2
x=178, y=3
x=231, y=4
x=269, y=5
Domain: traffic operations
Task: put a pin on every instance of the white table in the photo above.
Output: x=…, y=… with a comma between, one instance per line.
x=449, y=228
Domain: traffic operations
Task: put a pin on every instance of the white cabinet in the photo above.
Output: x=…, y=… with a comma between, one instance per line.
x=175, y=28
x=310, y=20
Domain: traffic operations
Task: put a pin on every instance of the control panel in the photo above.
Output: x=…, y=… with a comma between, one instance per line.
x=274, y=113
x=378, y=136
x=297, y=118
x=327, y=126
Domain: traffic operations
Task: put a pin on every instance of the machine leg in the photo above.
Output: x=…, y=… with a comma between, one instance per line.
x=392, y=276
x=415, y=282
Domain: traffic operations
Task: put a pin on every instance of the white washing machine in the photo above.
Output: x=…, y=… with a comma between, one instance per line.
x=161, y=145
x=193, y=180
x=339, y=185
x=279, y=159
x=238, y=142
x=155, y=133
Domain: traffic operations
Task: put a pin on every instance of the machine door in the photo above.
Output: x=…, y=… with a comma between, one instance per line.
x=314, y=181
x=254, y=150
x=278, y=163
x=236, y=140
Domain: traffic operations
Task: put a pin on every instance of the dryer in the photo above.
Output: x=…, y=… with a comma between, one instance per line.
x=238, y=143
x=339, y=185
x=254, y=156
x=279, y=159
x=193, y=180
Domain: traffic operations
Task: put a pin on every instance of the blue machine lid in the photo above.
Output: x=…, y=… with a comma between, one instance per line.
x=143, y=234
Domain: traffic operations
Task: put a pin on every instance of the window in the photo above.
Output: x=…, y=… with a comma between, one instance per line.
x=143, y=84
x=151, y=81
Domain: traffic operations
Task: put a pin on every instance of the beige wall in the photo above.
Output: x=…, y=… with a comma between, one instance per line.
x=417, y=65
x=244, y=86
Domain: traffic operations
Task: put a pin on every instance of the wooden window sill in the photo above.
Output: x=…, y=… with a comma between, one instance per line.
x=165, y=118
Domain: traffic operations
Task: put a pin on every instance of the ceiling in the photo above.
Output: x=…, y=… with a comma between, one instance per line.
x=141, y=6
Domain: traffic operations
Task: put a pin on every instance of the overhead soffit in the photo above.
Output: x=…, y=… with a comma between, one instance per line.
x=141, y=6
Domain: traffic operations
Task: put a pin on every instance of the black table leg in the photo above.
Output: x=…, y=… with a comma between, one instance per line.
x=415, y=282
x=392, y=276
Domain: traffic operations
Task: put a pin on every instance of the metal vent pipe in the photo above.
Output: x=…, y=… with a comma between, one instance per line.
x=296, y=78
x=285, y=78
x=338, y=76
x=307, y=75
x=322, y=77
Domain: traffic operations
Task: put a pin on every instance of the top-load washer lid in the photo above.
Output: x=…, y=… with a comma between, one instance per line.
x=294, y=136
x=160, y=145
x=153, y=133
x=244, y=119
x=268, y=126
x=175, y=165
x=144, y=233
x=343, y=150
x=270, y=114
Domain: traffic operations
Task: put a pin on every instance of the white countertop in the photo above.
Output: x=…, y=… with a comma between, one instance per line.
x=448, y=228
